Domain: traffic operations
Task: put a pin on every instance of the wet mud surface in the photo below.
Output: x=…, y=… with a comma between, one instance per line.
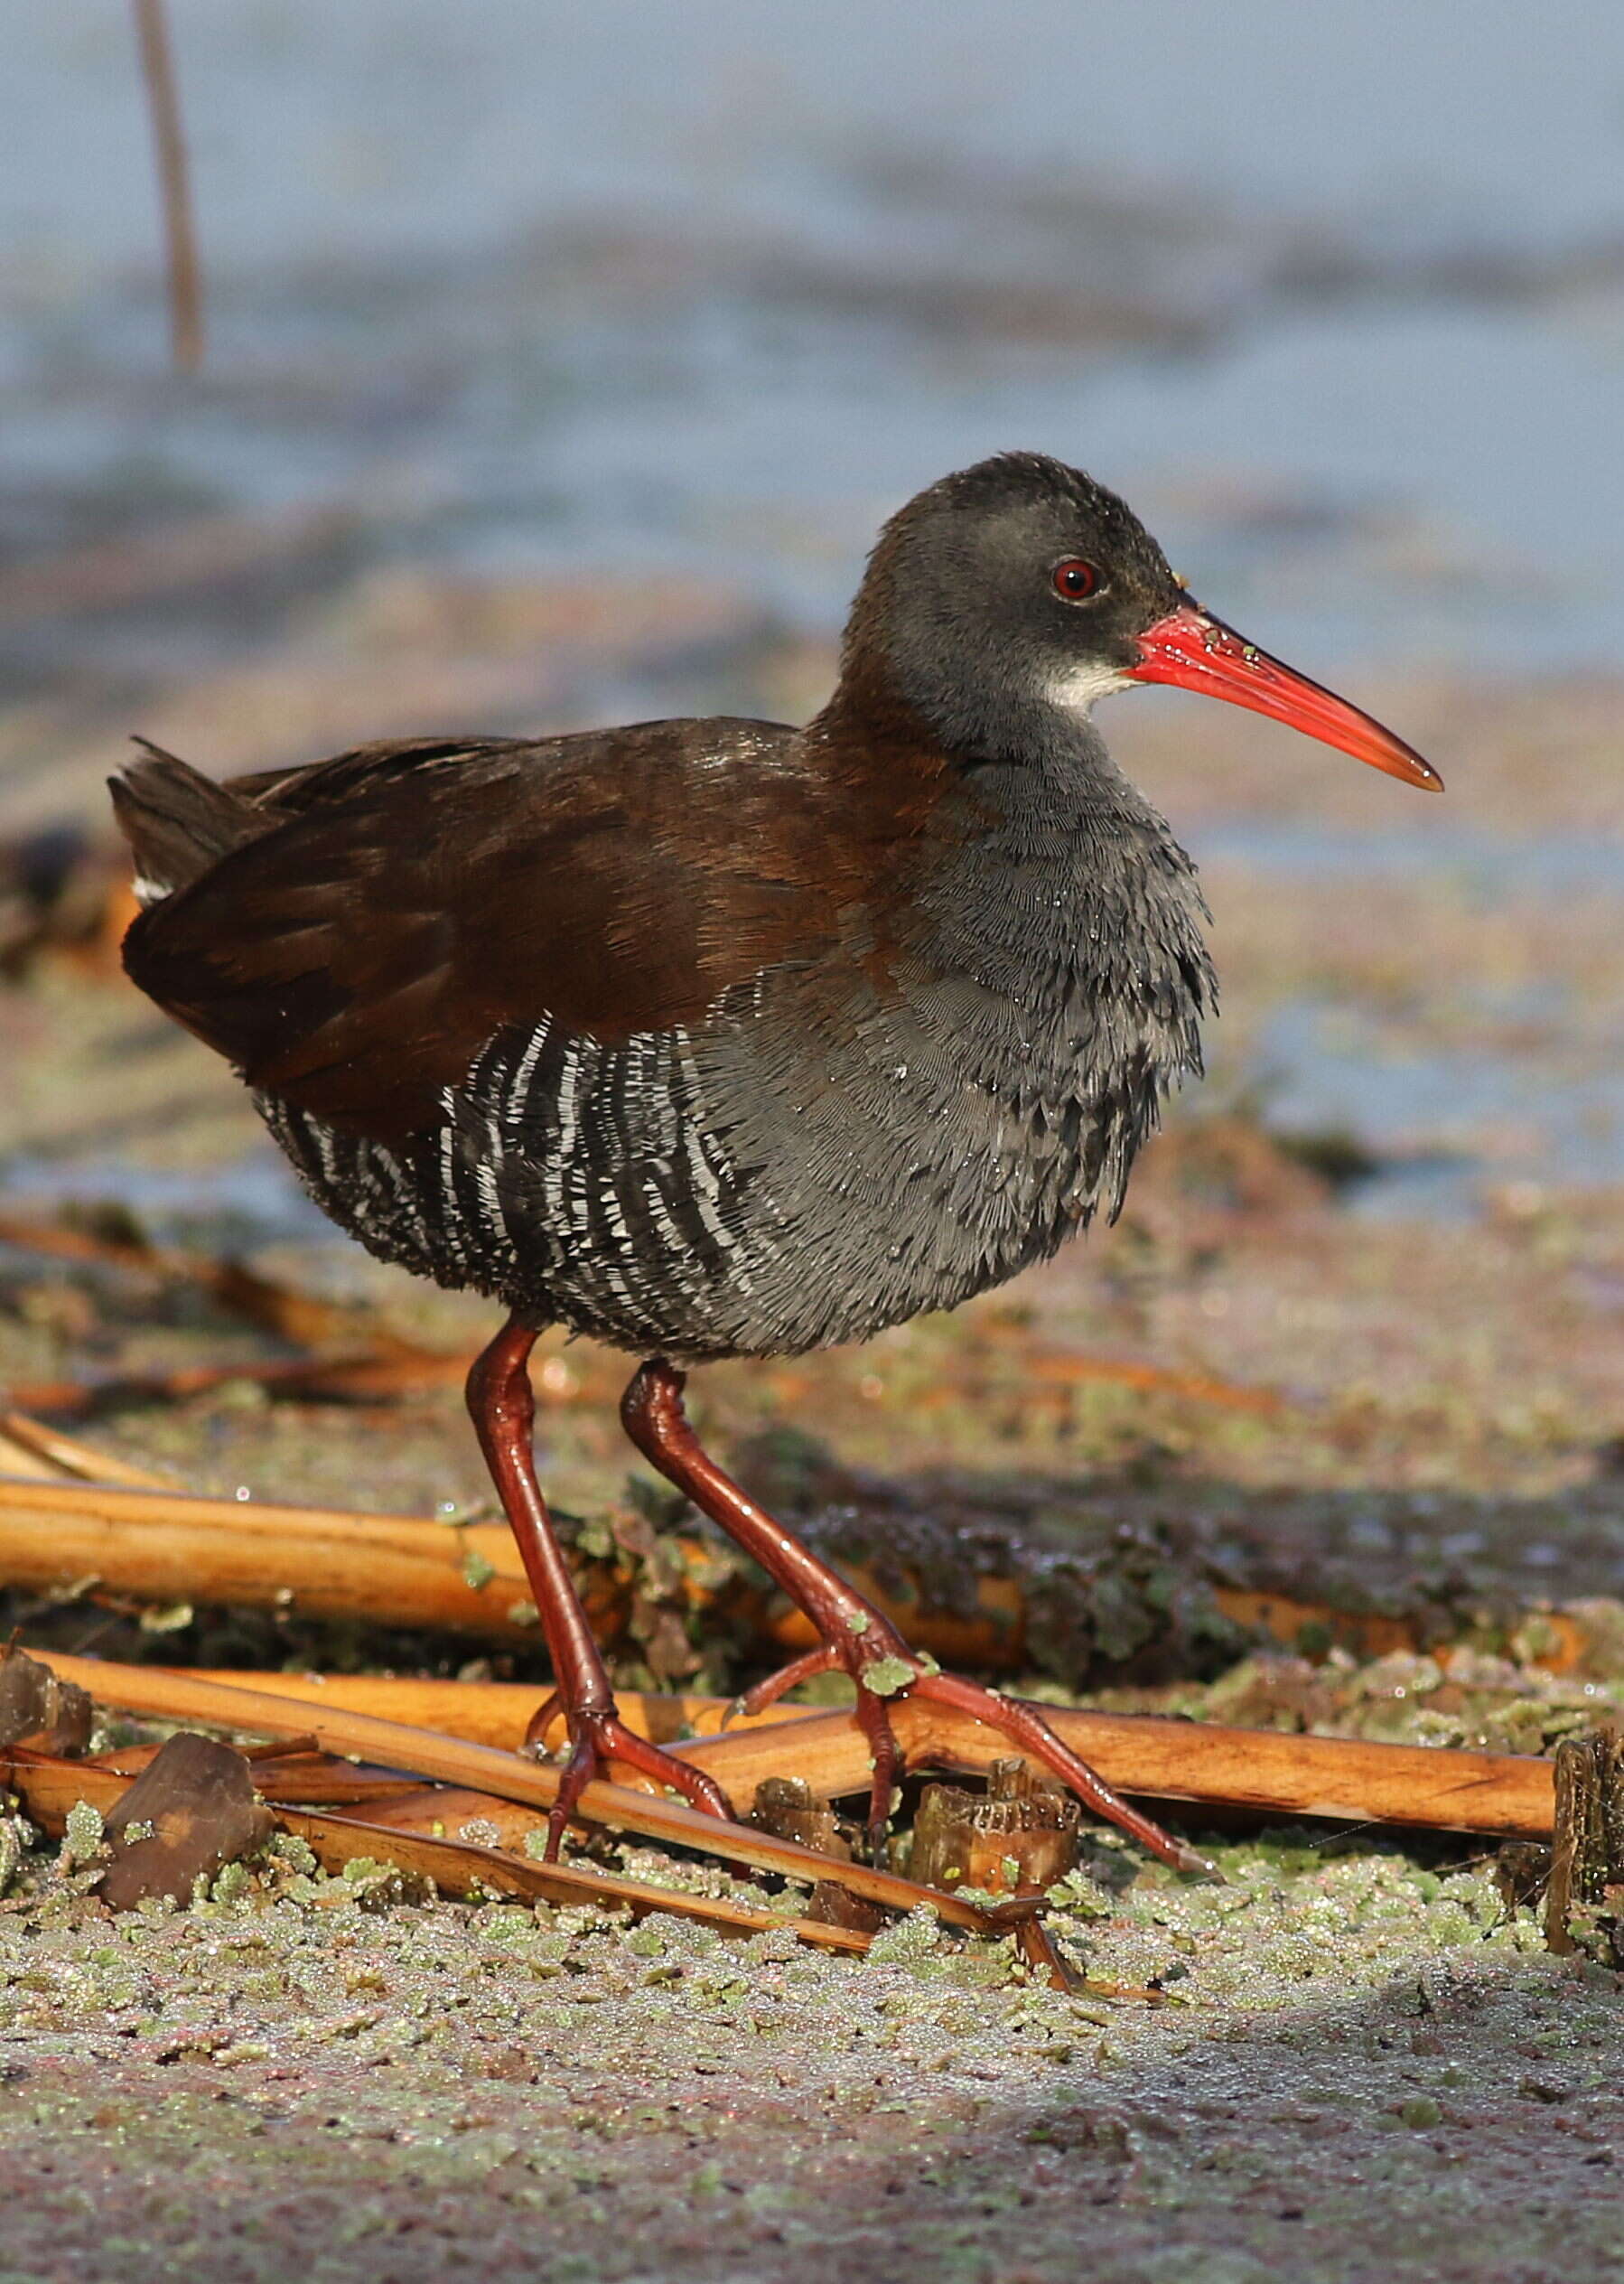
x=1366, y=2073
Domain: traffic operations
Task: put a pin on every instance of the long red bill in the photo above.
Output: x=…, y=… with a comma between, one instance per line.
x=1192, y=649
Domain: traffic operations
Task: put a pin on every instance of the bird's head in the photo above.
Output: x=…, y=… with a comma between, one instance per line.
x=1004, y=601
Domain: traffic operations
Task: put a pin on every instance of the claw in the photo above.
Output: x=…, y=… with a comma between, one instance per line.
x=597, y=1738
x=540, y=1722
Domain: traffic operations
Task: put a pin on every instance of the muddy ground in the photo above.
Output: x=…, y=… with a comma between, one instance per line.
x=1355, y=2060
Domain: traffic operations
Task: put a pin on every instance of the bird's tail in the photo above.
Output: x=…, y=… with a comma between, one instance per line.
x=177, y=821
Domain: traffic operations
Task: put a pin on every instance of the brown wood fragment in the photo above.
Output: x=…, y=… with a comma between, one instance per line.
x=833, y=1906
x=1017, y=1838
x=38, y=1708
x=785, y=1805
x=1587, y=1851
x=185, y=1817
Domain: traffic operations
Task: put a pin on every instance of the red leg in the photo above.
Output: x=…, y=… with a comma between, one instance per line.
x=855, y=1635
x=503, y=1407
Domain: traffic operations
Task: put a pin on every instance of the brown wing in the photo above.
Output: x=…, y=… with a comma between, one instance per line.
x=402, y=904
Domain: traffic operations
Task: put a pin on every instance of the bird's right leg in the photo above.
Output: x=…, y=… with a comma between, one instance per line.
x=854, y=1636
x=503, y=1407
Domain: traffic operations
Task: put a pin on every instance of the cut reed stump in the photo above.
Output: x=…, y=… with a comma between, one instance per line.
x=1019, y=1836
x=1584, y=1902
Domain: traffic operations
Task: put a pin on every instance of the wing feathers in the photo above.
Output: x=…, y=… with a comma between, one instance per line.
x=364, y=927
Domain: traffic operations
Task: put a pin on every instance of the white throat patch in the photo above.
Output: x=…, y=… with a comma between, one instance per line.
x=1077, y=691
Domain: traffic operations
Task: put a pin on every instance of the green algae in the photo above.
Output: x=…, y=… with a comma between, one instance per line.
x=487, y=2063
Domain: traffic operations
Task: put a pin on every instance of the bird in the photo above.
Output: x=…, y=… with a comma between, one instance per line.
x=721, y=1037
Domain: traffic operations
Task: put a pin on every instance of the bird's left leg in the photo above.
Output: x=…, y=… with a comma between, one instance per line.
x=854, y=1637
x=503, y=1409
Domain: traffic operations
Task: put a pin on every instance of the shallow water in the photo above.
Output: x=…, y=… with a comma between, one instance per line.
x=1537, y=864
x=253, y=1200
x=724, y=282
x=1444, y=1121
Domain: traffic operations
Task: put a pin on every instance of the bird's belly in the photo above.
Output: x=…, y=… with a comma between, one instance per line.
x=821, y=1234
x=783, y=1180
x=651, y=1205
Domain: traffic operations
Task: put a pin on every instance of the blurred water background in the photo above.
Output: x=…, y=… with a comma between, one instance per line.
x=675, y=303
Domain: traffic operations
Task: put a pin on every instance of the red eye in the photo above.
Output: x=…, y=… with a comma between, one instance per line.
x=1074, y=581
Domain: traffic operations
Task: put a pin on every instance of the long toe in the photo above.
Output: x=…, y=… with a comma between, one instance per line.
x=584, y=1764
x=885, y=1756
x=822, y=1660
x=618, y=1742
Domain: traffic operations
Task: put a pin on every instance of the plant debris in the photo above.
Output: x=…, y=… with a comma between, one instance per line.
x=509, y=1777
x=190, y=1812
x=37, y=1707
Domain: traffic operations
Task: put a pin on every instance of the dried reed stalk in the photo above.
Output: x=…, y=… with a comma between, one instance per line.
x=171, y=1696
x=30, y=1449
x=303, y=1319
x=1429, y=1787
x=179, y=230
x=286, y=1774
x=321, y=1379
x=497, y=1712
x=1425, y=1786
x=50, y=1788
x=164, y=1546
x=167, y=1547
x=394, y=1569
